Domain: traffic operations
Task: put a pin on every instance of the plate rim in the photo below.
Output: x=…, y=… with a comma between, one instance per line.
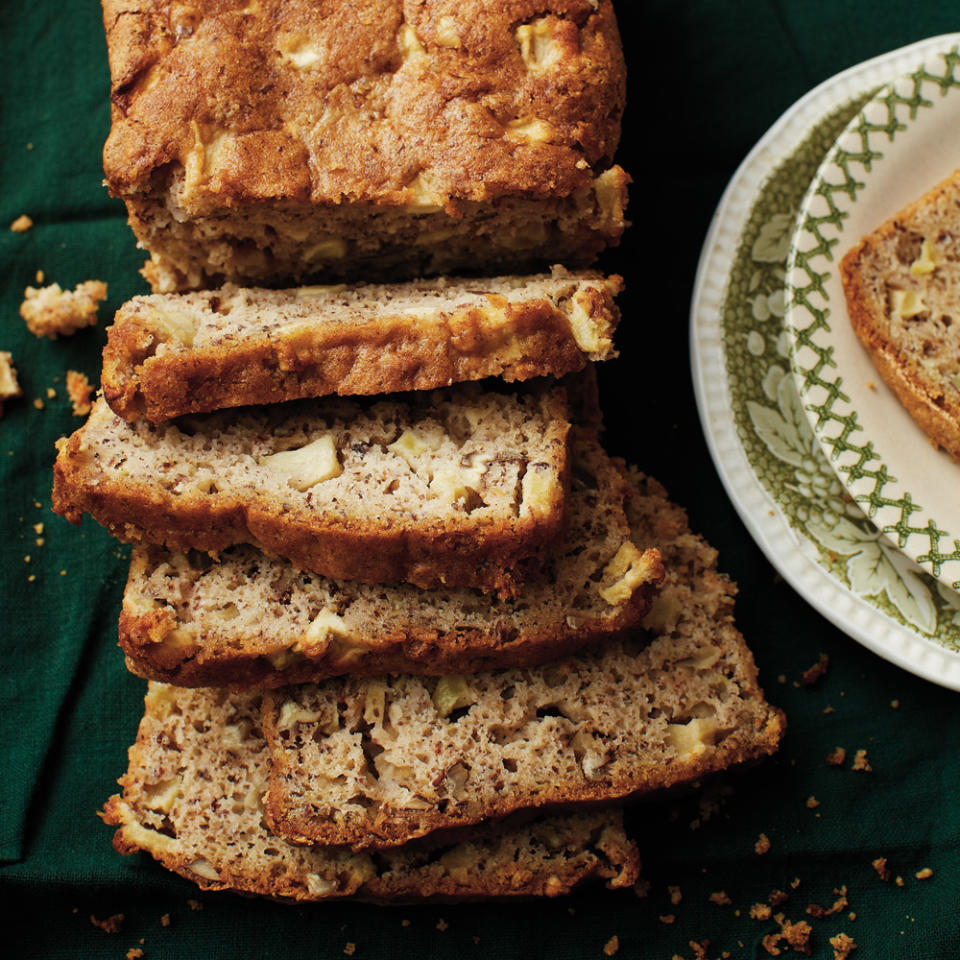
x=904, y=526
x=759, y=512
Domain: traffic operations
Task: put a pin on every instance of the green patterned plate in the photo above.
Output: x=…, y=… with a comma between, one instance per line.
x=768, y=458
x=903, y=142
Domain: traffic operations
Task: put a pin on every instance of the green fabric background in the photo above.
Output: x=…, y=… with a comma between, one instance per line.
x=707, y=79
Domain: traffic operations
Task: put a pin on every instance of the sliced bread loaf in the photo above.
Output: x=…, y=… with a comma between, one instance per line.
x=374, y=763
x=463, y=487
x=192, y=799
x=246, y=619
x=168, y=355
x=902, y=285
x=270, y=140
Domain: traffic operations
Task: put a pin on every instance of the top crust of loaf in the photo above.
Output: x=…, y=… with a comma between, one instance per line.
x=915, y=253
x=377, y=101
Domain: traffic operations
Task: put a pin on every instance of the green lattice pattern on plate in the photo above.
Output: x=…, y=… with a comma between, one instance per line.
x=866, y=464
x=782, y=451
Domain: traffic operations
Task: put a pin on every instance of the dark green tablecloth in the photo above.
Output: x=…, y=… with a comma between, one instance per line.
x=707, y=79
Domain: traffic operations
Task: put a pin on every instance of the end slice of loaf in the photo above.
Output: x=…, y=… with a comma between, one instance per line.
x=902, y=285
x=192, y=800
x=249, y=620
x=169, y=355
x=374, y=763
x=463, y=487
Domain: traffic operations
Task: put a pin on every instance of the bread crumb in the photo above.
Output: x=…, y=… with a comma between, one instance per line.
x=762, y=845
x=781, y=678
x=828, y=709
x=350, y=949
x=841, y=903
x=40, y=541
x=699, y=949
x=442, y=925
x=776, y=897
x=38, y=403
x=31, y=578
x=79, y=392
x=134, y=953
x=51, y=311
x=815, y=673
x=194, y=904
x=51, y=393
x=675, y=895
x=794, y=935
x=812, y=802
x=642, y=888
x=110, y=924
x=22, y=224
x=38, y=528
x=404, y=923
x=842, y=945
x=925, y=874
x=895, y=704
x=165, y=920
x=611, y=946
x=667, y=918
x=880, y=865
x=794, y=883
x=871, y=385
x=38, y=276
x=9, y=387
x=475, y=939
x=760, y=911
x=860, y=762
x=720, y=898
x=26, y=559
x=838, y=757
x=898, y=880
x=852, y=915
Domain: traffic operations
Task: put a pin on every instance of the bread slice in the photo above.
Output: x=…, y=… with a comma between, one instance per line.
x=463, y=487
x=902, y=285
x=192, y=800
x=274, y=142
x=168, y=355
x=378, y=762
x=246, y=619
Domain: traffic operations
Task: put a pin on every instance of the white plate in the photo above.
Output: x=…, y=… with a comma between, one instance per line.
x=768, y=459
x=903, y=142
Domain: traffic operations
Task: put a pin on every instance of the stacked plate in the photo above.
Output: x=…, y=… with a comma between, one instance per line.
x=836, y=483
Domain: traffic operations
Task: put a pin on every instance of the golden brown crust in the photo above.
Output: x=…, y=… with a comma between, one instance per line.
x=866, y=295
x=494, y=555
x=406, y=88
x=384, y=354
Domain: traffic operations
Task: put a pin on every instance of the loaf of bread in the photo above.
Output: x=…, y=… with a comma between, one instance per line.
x=903, y=297
x=372, y=763
x=266, y=142
x=192, y=799
x=248, y=620
x=168, y=355
x=464, y=487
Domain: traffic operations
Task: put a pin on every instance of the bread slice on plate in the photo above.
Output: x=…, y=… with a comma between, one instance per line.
x=246, y=620
x=902, y=285
x=464, y=487
x=372, y=763
x=192, y=800
x=268, y=142
x=168, y=355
